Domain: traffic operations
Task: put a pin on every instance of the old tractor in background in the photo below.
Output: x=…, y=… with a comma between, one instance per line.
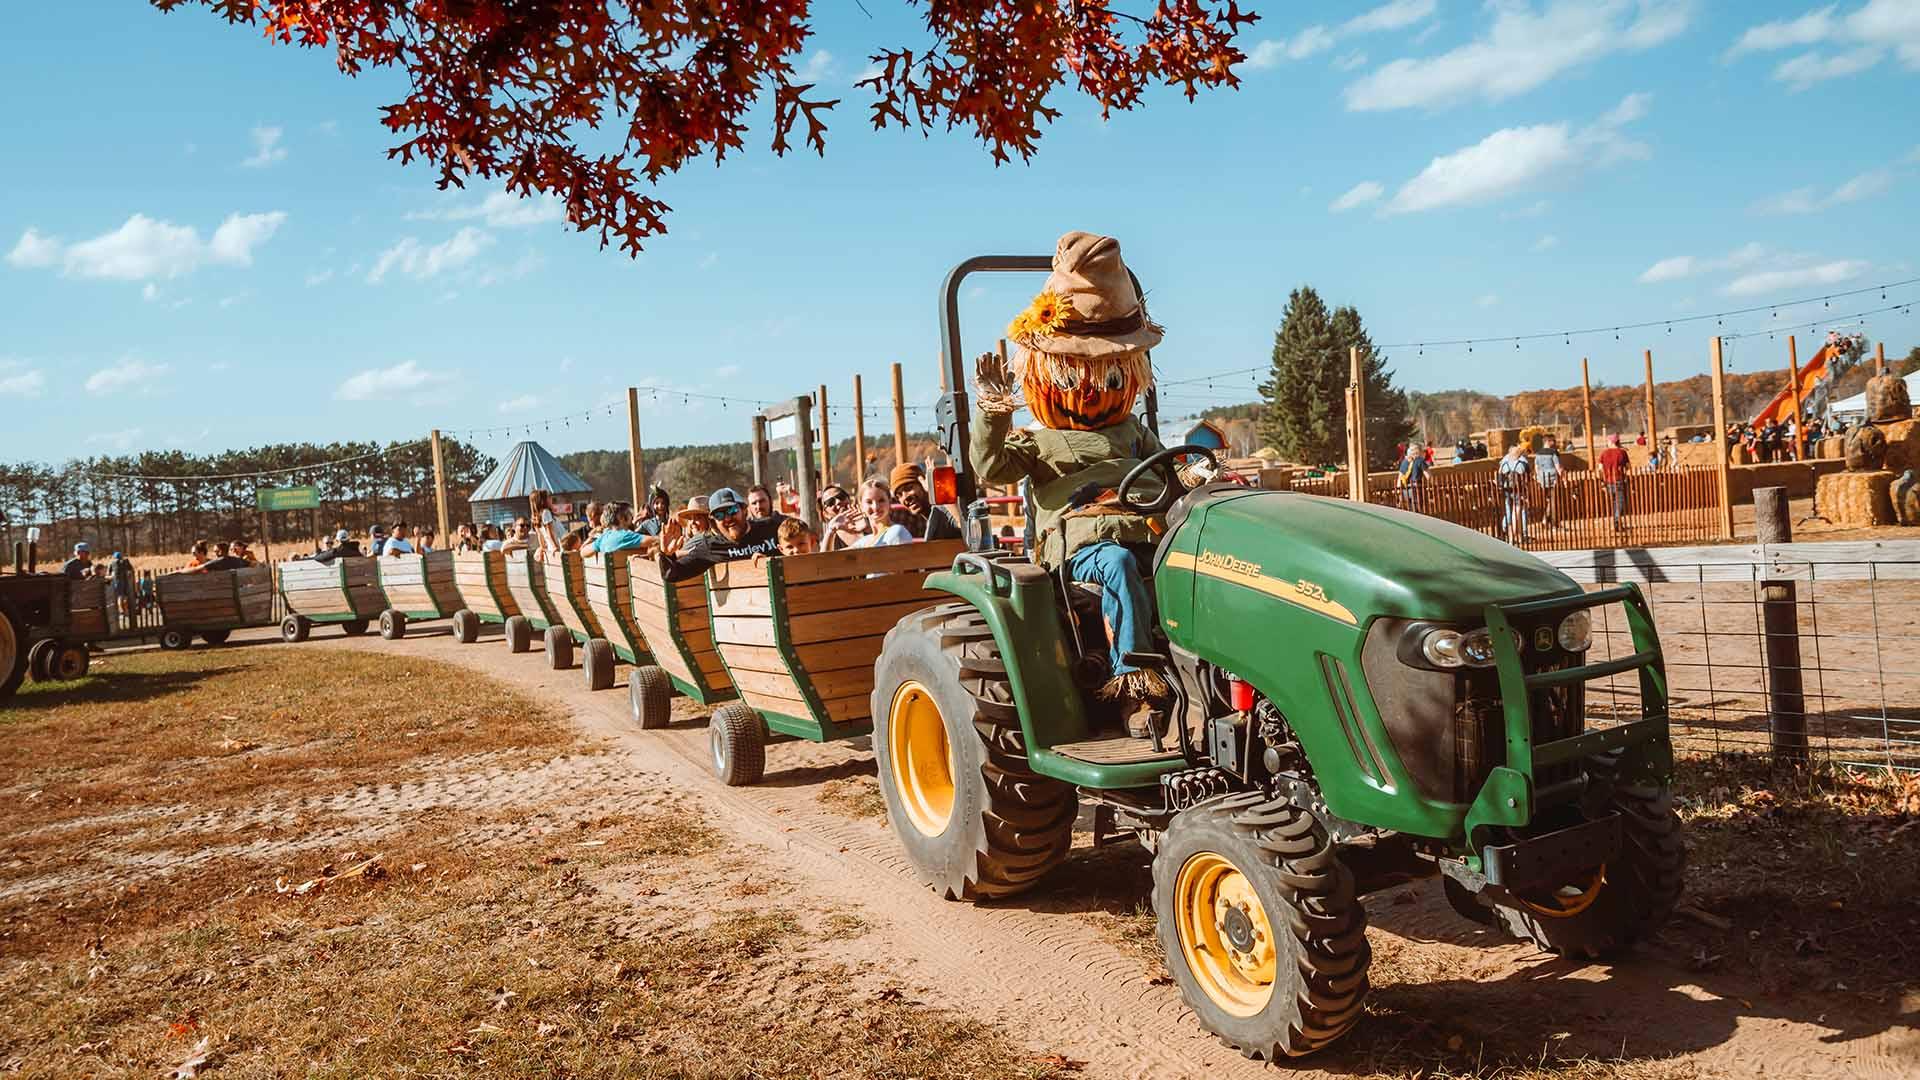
x=1365, y=696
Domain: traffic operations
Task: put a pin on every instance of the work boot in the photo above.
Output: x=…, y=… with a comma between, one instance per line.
x=1144, y=699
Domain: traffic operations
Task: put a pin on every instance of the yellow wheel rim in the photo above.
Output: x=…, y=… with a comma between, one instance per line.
x=9, y=647
x=1225, y=937
x=921, y=760
x=1568, y=900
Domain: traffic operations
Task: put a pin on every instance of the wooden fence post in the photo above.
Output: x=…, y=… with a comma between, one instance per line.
x=1356, y=427
x=1720, y=470
x=440, y=485
x=859, y=433
x=1799, y=422
x=635, y=470
x=1653, y=431
x=826, y=440
x=1880, y=358
x=899, y=420
x=1586, y=407
x=1780, y=621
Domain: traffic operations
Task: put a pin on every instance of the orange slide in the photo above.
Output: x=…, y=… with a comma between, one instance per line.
x=1780, y=409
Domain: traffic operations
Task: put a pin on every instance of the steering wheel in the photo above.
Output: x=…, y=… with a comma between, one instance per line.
x=1162, y=463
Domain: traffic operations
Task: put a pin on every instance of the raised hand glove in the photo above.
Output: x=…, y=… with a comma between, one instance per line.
x=993, y=385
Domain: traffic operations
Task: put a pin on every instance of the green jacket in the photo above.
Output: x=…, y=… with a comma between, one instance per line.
x=1058, y=463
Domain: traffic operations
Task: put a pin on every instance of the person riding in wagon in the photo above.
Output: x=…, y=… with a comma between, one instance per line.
x=1080, y=364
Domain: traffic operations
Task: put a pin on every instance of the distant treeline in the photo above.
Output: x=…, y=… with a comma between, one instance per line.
x=85, y=499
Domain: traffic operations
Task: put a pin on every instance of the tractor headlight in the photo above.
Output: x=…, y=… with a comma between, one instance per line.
x=1444, y=647
x=1477, y=648
x=1576, y=631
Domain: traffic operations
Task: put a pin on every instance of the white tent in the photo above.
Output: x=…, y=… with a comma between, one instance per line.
x=1855, y=407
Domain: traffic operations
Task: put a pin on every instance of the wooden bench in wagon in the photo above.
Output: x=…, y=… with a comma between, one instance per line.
x=480, y=578
x=527, y=587
x=610, y=602
x=417, y=587
x=677, y=626
x=799, y=636
x=212, y=605
x=344, y=591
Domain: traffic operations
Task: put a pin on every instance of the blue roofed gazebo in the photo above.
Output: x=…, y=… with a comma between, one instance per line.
x=502, y=496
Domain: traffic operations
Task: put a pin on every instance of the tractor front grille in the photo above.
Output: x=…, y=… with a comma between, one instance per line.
x=1480, y=729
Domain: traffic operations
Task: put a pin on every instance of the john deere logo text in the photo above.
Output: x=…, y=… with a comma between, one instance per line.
x=1216, y=561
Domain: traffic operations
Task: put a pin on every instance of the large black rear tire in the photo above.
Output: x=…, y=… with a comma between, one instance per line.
x=13, y=654
x=650, y=695
x=1627, y=899
x=976, y=821
x=1262, y=931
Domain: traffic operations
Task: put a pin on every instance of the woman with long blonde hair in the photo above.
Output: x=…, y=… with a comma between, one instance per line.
x=546, y=525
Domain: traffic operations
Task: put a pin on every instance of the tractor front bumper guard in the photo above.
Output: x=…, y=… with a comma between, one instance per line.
x=1510, y=796
x=1552, y=858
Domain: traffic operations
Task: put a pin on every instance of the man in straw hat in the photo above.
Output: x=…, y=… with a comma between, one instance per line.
x=1080, y=365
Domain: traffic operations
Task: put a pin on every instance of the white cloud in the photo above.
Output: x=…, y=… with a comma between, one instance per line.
x=1360, y=194
x=1856, y=41
x=146, y=248
x=1514, y=159
x=1807, y=200
x=817, y=67
x=1546, y=243
x=501, y=210
x=18, y=380
x=122, y=440
x=1803, y=71
x=523, y=403
x=522, y=266
x=1825, y=273
x=34, y=250
x=376, y=383
x=1683, y=266
x=233, y=242
x=1315, y=39
x=418, y=261
x=1520, y=52
x=129, y=373
x=266, y=147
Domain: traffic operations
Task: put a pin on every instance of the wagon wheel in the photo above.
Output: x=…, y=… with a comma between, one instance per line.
x=466, y=627
x=295, y=628
x=13, y=654
x=215, y=637
x=650, y=693
x=38, y=659
x=559, y=645
x=737, y=738
x=598, y=663
x=69, y=662
x=173, y=639
x=355, y=628
x=393, y=624
x=519, y=633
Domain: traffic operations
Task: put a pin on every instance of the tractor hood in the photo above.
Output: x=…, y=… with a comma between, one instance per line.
x=1371, y=560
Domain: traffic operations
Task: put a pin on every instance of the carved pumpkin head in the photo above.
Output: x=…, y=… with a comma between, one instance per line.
x=1075, y=393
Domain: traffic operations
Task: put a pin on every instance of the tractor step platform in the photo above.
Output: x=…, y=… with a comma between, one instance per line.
x=1115, y=750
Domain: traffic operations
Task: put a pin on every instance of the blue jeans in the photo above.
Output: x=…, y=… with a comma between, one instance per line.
x=1124, y=602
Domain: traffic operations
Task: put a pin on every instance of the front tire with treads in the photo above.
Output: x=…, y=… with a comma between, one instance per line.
x=13, y=653
x=1262, y=930
x=975, y=819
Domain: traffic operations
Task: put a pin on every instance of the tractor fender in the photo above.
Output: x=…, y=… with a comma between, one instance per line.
x=1017, y=601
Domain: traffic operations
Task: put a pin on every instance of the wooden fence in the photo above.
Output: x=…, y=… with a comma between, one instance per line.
x=1668, y=506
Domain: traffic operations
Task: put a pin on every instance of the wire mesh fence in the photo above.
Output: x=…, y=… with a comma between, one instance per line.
x=1580, y=510
x=1770, y=645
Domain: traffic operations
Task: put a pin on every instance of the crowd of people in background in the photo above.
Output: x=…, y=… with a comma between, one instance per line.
x=1777, y=440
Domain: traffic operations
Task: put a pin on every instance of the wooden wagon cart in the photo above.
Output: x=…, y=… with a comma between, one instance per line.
x=610, y=601
x=573, y=620
x=480, y=579
x=212, y=605
x=344, y=591
x=677, y=625
x=799, y=636
x=527, y=588
x=77, y=613
x=417, y=587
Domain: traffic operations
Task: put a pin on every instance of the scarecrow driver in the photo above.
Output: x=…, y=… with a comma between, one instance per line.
x=1080, y=364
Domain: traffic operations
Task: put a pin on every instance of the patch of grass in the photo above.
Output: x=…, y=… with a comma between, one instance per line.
x=854, y=797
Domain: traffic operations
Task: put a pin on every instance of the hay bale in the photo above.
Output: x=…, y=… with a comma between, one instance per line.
x=1855, y=498
x=1903, y=444
x=1906, y=498
x=1887, y=399
x=1866, y=449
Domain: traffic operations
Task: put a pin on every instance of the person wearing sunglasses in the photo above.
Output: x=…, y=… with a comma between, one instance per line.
x=734, y=536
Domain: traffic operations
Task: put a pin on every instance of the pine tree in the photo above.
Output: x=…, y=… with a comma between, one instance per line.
x=1299, y=422
x=1388, y=423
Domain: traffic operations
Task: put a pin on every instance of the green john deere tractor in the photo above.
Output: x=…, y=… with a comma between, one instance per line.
x=1365, y=696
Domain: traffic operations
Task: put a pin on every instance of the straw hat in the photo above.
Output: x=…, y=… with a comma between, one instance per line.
x=1088, y=307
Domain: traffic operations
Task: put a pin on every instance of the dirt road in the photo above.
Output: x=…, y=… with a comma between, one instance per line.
x=1052, y=967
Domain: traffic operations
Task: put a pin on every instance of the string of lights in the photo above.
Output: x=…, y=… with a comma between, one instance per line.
x=289, y=470
x=655, y=395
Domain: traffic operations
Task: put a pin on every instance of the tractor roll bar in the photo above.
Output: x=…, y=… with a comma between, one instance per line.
x=950, y=415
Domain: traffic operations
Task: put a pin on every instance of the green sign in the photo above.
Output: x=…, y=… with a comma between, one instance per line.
x=304, y=497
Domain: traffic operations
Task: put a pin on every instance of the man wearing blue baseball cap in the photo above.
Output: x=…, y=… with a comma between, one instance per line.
x=81, y=564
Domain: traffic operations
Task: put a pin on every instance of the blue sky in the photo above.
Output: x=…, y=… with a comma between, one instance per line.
x=203, y=245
